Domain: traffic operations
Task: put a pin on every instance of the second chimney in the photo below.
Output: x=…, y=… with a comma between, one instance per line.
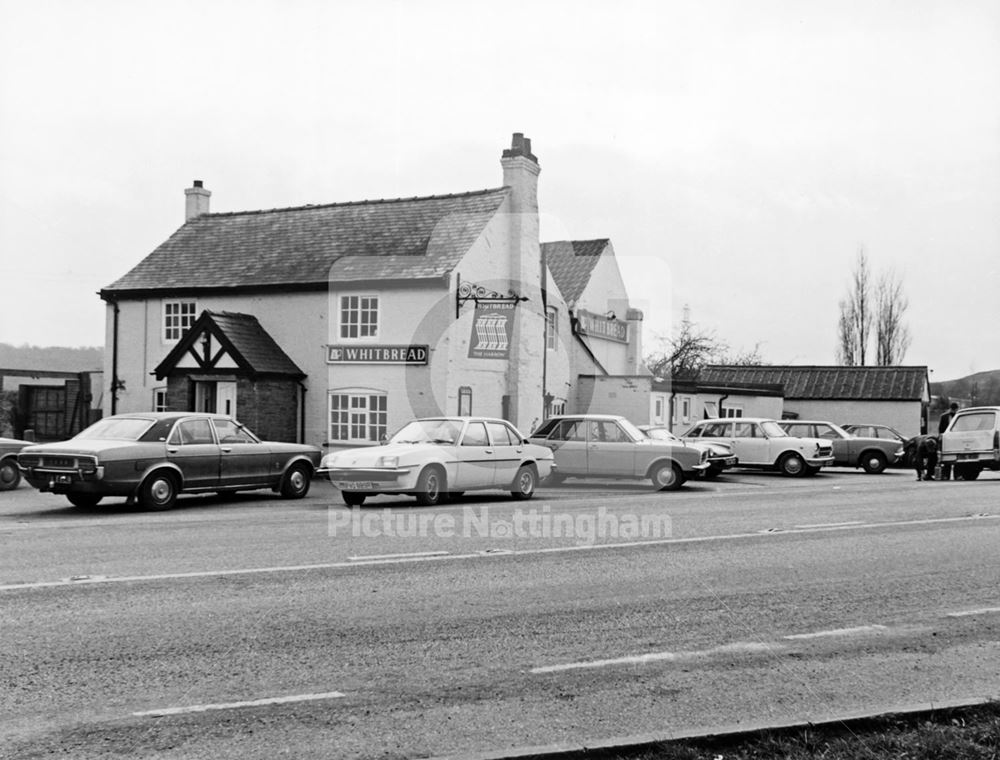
x=196, y=201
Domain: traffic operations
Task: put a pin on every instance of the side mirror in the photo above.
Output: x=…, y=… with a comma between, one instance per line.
x=525, y=440
x=383, y=440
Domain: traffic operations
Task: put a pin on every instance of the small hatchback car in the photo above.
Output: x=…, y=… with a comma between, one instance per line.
x=761, y=443
x=152, y=457
x=609, y=446
x=849, y=450
x=440, y=457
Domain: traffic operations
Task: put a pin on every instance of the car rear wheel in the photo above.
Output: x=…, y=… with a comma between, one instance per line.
x=967, y=472
x=430, y=486
x=10, y=475
x=667, y=477
x=353, y=498
x=874, y=462
x=524, y=484
x=792, y=465
x=158, y=491
x=84, y=500
x=296, y=482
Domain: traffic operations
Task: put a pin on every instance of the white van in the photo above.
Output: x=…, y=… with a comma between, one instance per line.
x=972, y=441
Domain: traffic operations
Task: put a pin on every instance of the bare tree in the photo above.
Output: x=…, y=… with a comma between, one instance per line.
x=856, y=316
x=892, y=337
x=691, y=348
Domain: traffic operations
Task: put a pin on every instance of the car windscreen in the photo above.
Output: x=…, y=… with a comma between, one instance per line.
x=631, y=430
x=428, y=431
x=773, y=429
x=121, y=428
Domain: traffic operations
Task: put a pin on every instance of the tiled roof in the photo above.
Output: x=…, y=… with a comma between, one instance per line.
x=571, y=263
x=406, y=238
x=251, y=346
x=830, y=383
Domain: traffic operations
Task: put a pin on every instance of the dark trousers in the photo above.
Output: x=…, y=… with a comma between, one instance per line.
x=925, y=464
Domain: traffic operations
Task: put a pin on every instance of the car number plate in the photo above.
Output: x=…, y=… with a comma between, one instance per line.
x=967, y=456
x=355, y=485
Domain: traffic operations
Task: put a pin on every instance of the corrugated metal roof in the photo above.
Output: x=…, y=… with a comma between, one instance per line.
x=827, y=382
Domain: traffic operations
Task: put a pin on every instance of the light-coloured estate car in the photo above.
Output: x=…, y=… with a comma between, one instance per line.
x=441, y=457
x=152, y=457
x=720, y=455
x=761, y=443
x=609, y=446
x=872, y=454
x=971, y=443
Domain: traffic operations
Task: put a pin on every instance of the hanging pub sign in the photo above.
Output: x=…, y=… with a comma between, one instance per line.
x=492, y=327
x=376, y=354
x=600, y=326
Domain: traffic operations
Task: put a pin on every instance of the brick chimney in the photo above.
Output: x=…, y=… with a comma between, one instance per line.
x=196, y=201
x=524, y=379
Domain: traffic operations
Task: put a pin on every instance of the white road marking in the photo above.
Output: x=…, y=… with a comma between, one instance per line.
x=643, y=659
x=401, y=555
x=831, y=525
x=980, y=611
x=483, y=555
x=837, y=632
x=233, y=705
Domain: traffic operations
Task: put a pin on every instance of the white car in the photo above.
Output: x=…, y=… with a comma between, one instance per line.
x=972, y=441
x=762, y=443
x=440, y=457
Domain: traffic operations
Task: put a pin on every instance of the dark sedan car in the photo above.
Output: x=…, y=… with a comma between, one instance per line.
x=10, y=473
x=152, y=457
x=849, y=449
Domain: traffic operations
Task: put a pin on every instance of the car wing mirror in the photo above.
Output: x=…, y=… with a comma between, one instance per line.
x=383, y=440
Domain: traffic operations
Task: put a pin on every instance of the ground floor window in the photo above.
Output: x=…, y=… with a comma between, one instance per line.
x=464, y=401
x=357, y=416
x=734, y=411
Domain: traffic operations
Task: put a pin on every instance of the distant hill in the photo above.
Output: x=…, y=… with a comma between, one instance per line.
x=979, y=389
x=51, y=358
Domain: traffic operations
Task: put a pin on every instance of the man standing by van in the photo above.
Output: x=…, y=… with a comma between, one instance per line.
x=943, y=424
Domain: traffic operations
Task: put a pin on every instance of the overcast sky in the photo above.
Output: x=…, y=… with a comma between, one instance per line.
x=738, y=154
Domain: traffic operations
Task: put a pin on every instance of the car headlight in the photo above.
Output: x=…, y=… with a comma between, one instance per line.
x=390, y=462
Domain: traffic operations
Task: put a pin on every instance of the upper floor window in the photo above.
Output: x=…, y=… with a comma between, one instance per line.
x=358, y=317
x=178, y=316
x=551, y=328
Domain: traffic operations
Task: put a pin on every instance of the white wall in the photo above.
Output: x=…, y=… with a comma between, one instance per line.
x=904, y=416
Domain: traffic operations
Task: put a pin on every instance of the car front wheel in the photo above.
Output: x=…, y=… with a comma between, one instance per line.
x=874, y=462
x=792, y=465
x=10, y=475
x=296, y=482
x=430, y=486
x=524, y=483
x=667, y=477
x=159, y=491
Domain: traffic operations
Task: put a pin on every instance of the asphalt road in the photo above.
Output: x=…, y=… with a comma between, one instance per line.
x=254, y=626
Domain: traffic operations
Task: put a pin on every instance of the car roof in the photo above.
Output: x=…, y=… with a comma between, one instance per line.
x=585, y=417
x=165, y=416
x=741, y=419
x=806, y=422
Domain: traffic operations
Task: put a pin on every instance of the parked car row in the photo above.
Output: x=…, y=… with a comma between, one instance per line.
x=151, y=458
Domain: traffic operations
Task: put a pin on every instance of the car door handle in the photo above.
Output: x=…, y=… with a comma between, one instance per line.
x=172, y=450
x=226, y=449
x=488, y=451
